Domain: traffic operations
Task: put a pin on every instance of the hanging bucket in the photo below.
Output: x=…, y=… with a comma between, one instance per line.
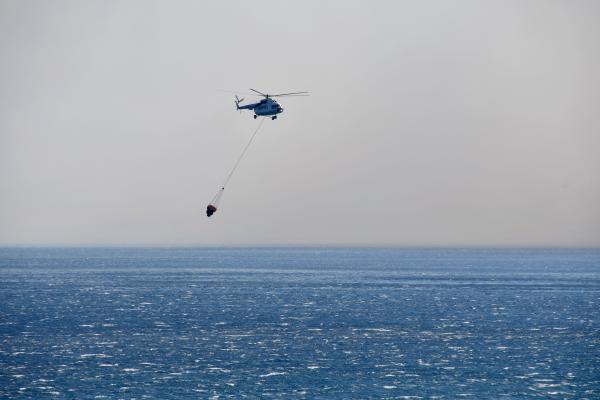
x=210, y=210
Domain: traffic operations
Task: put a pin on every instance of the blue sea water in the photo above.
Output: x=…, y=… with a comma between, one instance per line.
x=309, y=323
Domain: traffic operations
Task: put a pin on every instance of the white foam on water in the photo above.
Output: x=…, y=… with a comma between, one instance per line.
x=218, y=369
x=272, y=374
x=547, y=385
x=97, y=355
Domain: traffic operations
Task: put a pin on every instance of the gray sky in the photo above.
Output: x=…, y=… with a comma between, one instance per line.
x=429, y=122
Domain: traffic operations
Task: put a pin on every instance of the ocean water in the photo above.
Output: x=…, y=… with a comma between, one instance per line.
x=299, y=323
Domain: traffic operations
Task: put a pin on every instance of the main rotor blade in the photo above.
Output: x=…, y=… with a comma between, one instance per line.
x=254, y=90
x=234, y=92
x=290, y=94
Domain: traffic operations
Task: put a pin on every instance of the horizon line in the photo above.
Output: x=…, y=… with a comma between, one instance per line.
x=297, y=246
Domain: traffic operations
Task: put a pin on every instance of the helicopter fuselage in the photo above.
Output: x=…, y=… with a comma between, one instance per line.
x=265, y=107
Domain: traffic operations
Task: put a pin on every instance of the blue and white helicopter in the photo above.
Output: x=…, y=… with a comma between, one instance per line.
x=266, y=107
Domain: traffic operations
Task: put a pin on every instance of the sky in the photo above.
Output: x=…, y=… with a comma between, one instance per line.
x=429, y=123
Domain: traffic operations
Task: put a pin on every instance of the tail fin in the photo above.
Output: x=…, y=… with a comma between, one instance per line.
x=238, y=101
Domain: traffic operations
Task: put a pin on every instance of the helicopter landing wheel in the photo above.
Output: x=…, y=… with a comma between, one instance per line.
x=255, y=116
x=274, y=117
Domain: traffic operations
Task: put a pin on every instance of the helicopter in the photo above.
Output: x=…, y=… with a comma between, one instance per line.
x=266, y=107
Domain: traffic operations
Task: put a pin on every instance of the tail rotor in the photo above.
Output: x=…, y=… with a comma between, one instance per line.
x=238, y=101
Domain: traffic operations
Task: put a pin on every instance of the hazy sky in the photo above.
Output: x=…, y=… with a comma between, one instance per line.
x=429, y=122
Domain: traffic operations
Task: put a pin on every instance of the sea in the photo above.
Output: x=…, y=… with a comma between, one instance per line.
x=299, y=323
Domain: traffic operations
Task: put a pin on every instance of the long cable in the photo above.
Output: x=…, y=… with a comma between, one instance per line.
x=243, y=153
x=220, y=192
